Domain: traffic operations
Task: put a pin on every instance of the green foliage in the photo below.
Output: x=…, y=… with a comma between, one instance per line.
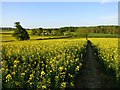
x=39, y=31
x=20, y=33
x=83, y=32
x=67, y=33
x=56, y=33
x=33, y=32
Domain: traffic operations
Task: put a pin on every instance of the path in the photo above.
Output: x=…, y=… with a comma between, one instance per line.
x=93, y=75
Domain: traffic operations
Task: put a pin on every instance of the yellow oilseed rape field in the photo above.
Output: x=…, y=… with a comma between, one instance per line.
x=108, y=52
x=50, y=64
x=42, y=64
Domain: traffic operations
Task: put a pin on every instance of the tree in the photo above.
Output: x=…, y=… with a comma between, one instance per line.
x=83, y=32
x=33, y=32
x=20, y=33
x=39, y=31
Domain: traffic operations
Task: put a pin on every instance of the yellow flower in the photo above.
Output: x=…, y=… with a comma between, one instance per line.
x=42, y=73
x=9, y=77
x=16, y=62
x=22, y=74
x=31, y=75
x=13, y=73
x=70, y=75
x=17, y=83
x=61, y=68
x=63, y=84
x=6, y=70
x=2, y=62
x=3, y=69
x=50, y=71
x=15, y=65
x=31, y=83
x=56, y=77
x=44, y=87
x=77, y=68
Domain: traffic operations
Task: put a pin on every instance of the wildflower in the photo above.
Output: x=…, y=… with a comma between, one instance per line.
x=16, y=62
x=63, y=84
x=15, y=66
x=56, y=77
x=44, y=87
x=22, y=74
x=61, y=68
x=42, y=73
x=70, y=75
x=13, y=73
x=77, y=68
x=17, y=83
x=9, y=77
x=3, y=69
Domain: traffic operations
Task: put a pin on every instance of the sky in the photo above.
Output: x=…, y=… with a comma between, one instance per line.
x=59, y=14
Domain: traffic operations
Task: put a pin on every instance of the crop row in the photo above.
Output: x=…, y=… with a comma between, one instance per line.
x=41, y=64
x=107, y=50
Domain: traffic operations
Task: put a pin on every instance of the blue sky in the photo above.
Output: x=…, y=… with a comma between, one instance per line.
x=59, y=14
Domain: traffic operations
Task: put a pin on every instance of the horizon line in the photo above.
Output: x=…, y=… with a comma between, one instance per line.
x=62, y=26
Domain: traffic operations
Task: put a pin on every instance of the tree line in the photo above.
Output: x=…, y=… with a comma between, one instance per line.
x=68, y=31
x=21, y=33
x=65, y=30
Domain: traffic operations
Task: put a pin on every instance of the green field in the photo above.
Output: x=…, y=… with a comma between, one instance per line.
x=7, y=36
x=60, y=56
x=99, y=35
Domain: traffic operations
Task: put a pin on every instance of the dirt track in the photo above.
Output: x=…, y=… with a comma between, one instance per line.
x=93, y=75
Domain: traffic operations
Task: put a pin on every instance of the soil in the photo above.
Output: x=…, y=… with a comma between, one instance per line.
x=92, y=74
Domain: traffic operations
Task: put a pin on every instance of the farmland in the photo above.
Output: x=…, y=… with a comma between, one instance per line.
x=108, y=51
x=43, y=64
x=6, y=36
x=55, y=63
x=60, y=45
x=55, y=59
x=107, y=54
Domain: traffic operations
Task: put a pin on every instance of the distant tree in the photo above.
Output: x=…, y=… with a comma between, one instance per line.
x=20, y=33
x=83, y=32
x=39, y=31
x=33, y=32
x=68, y=33
x=56, y=32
